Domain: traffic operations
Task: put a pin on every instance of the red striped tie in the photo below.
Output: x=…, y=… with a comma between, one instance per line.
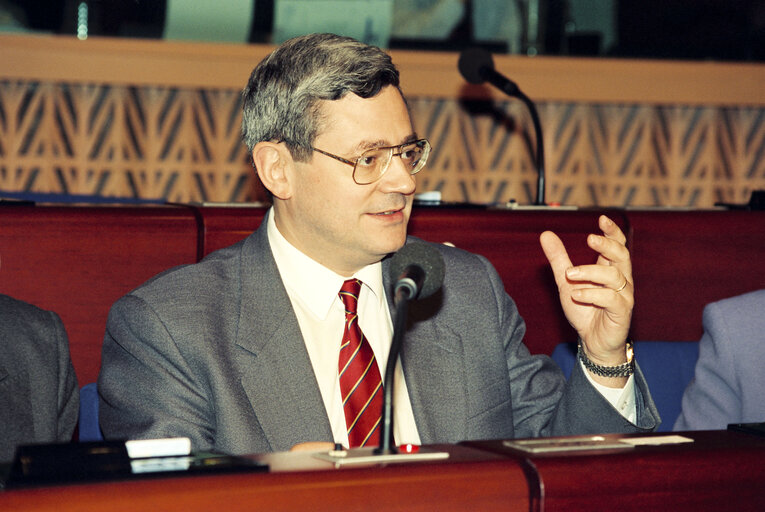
x=360, y=382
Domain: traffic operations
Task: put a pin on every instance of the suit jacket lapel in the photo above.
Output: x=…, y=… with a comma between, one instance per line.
x=286, y=398
x=278, y=376
x=431, y=357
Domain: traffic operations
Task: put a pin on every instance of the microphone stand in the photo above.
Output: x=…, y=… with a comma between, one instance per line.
x=540, y=148
x=511, y=89
x=407, y=288
x=401, y=302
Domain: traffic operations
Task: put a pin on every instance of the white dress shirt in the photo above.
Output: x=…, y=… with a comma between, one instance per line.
x=313, y=291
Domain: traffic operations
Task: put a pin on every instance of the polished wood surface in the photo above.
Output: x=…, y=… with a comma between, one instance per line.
x=719, y=470
x=224, y=226
x=469, y=480
x=77, y=261
x=684, y=260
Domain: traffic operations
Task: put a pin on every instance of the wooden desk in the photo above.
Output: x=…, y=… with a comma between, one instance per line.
x=469, y=480
x=720, y=470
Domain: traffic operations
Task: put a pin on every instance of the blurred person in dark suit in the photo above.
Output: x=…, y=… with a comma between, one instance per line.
x=39, y=396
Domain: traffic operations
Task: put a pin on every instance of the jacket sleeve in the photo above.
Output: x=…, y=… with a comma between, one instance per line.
x=146, y=387
x=542, y=404
x=712, y=399
x=68, y=395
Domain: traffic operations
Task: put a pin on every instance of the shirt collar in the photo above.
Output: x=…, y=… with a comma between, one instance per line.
x=310, y=282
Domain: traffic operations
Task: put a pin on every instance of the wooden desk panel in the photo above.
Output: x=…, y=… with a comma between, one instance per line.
x=470, y=480
x=720, y=470
x=224, y=226
x=685, y=260
x=76, y=261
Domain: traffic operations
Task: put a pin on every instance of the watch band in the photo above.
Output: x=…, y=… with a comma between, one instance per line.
x=622, y=370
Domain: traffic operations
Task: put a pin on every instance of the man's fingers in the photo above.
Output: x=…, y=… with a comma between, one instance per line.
x=611, y=229
x=556, y=254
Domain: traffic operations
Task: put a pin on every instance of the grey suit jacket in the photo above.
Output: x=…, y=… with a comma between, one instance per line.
x=39, y=397
x=729, y=379
x=213, y=351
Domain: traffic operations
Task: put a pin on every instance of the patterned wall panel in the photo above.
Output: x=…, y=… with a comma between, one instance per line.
x=603, y=155
x=125, y=142
x=184, y=145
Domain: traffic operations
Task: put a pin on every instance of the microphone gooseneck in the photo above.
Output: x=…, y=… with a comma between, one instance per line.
x=477, y=66
x=417, y=271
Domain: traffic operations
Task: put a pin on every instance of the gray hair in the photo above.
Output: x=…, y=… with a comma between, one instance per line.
x=283, y=94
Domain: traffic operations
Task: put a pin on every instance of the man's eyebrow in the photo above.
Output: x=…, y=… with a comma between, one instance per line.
x=379, y=143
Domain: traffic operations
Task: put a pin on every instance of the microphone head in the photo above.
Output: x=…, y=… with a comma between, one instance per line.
x=424, y=256
x=473, y=63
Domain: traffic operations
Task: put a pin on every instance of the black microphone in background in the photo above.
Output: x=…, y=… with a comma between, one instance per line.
x=477, y=66
x=417, y=271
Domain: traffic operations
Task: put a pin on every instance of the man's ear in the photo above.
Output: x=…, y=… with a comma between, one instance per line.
x=272, y=163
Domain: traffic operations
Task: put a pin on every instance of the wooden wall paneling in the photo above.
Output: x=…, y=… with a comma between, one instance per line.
x=685, y=260
x=160, y=120
x=740, y=140
x=78, y=261
x=220, y=161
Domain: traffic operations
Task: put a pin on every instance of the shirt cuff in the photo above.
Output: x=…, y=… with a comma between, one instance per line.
x=623, y=399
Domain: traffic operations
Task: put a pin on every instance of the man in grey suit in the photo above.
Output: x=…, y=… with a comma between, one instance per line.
x=39, y=398
x=729, y=379
x=240, y=351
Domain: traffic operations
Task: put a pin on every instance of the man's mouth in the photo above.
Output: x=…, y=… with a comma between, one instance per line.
x=388, y=212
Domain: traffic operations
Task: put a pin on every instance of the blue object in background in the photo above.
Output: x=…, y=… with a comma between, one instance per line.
x=89, y=429
x=667, y=366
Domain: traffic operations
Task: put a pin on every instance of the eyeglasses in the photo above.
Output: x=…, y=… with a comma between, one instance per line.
x=372, y=164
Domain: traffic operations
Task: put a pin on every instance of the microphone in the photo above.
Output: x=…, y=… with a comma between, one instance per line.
x=477, y=66
x=417, y=271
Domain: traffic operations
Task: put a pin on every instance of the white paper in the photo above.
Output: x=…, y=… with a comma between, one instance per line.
x=170, y=447
x=656, y=440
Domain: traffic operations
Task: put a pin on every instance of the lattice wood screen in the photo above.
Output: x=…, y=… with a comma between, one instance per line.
x=184, y=145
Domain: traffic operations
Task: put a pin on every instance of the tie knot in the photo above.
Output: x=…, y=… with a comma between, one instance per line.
x=349, y=294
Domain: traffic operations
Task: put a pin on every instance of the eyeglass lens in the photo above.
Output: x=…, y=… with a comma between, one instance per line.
x=374, y=162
